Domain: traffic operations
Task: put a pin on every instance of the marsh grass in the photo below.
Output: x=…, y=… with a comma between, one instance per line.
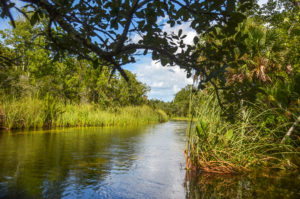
x=31, y=112
x=218, y=146
x=183, y=119
x=90, y=115
x=163, y=117
x=25, y=113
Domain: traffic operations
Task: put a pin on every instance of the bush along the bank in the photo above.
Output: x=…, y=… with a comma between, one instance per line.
x=31, y=112
x=219, y=146
x=252, y=119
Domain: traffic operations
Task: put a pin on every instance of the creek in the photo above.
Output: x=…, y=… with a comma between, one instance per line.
x=144, y=162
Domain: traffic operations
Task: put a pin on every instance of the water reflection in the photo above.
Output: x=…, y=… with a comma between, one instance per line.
x=143, y=163
x=256, y=185
x=93, y=163
x=62, y=164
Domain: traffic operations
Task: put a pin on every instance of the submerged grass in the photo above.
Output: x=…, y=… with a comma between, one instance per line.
x=218, y=146
x=35, y=113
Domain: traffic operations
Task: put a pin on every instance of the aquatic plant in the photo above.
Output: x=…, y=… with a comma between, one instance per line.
x=219, y=146
x=163, y=117
x=31, y=112
x=25, y=113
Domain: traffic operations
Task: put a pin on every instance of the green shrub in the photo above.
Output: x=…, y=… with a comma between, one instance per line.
x=31, y=112
x=216, y=145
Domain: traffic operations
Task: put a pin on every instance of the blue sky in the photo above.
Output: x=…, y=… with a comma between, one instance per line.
x=163, y=81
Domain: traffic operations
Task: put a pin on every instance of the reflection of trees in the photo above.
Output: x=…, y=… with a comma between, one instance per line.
x=48, y=164
x=272, y=185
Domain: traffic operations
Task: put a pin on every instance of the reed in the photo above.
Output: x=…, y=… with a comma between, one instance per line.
x=183, y=119
x=31, y=112
x=218, y=146
x=90, y=115
x=25, y=113
x=163, y=117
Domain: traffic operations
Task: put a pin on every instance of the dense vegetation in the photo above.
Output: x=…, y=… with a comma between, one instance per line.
x=104, y=31
x=38, y=91
x=178, y=108
x=245, y=61
x=248, y=115
x=252, y=121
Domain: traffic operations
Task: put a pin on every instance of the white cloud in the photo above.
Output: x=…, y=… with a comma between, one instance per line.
x=261, y=2
x=158, y=84
x=18, y=3
x=136, y=38
x=164, y=81
x=186, y=30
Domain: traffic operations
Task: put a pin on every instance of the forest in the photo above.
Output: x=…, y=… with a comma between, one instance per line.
x=248, y=117
x=62, y=68
x=39, y=91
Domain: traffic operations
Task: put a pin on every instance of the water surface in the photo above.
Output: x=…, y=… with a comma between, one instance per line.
x=144, y=162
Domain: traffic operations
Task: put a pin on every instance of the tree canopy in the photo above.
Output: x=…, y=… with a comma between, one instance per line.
x=102, y=31
x=33, y=72
x=237, y=56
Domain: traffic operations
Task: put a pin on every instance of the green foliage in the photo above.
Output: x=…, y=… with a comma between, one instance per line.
x=107, y=31
x=163, y=117
x=181, y=102
x=254, y=72
x=181, y=106
x=67, y=91
x=254, y=64
x=51, y=110
x=27, y=113
x=89, y=115
x=32, y=112
x=219, y=146
x=69, y=79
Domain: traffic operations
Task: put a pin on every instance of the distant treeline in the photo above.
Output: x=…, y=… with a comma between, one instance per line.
x=179, y=106
x=41, y=88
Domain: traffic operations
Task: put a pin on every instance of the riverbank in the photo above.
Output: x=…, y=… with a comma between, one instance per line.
x=93, y=162
x=32, y=113
x=183, y=119
x=254, y=140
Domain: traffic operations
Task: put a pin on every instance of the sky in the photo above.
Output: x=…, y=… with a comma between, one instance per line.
x=164, y=82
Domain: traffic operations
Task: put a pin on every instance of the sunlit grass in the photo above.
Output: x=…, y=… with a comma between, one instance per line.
x=89, y=115
x=183, y=119
x=219, y=146
x=35, y=113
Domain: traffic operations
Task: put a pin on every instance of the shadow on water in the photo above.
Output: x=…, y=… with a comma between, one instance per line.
x=256, y=185
x=144, y=162
x=64, y=163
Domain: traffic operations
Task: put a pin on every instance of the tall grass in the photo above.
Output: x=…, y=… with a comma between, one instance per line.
x=25, y=113
x=218, y=146
x=31, y=112
x=90, y=115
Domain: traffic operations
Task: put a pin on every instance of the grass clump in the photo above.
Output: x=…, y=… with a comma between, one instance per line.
x=31, y=112
x=91, y=115
x=163, y=117
x=218, y=146
x=183, y=119
x=25, y=113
